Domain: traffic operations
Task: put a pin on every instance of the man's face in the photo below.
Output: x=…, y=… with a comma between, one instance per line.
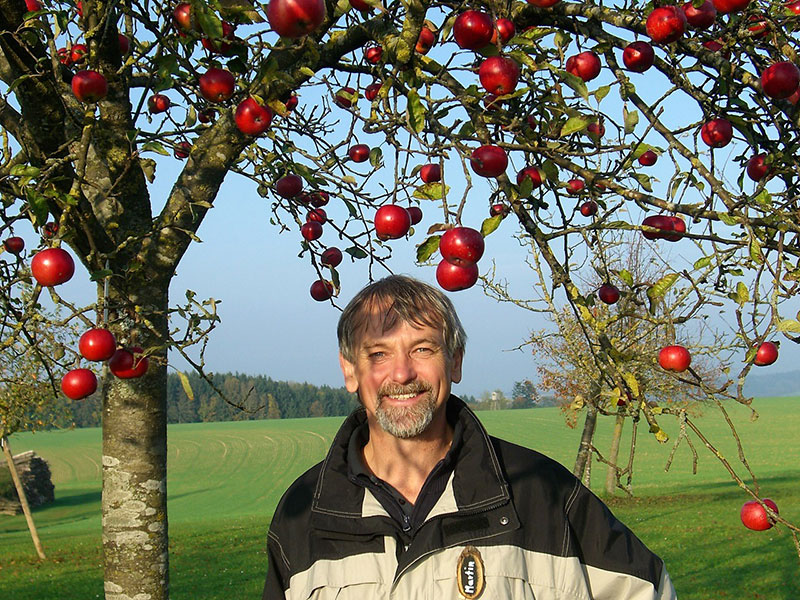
x=402, y=376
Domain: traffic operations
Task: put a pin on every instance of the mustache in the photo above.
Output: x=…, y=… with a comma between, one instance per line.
x=416, y=387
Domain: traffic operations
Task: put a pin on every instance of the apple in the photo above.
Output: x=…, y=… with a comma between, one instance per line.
x=757, y=167
x=216, y=85
x=793, y=7
x=373, y=54
x=318, y=198
x=532, y=173
x=648, y=158
x=473, y=29
x=358, y=153
x=717, y=133
x=289, y=186
x=506, y=29
x=361, y=5
x=461, y=246
x=221, y=45
x=666, y=24
x=126, y=363
x=678, y=229
x=588, y=208
x=251, y=117
x=608, y=293
x=713, y=45
x=317, y=214
x=754, y=516
x=488, y=161
x=207, y=115
x=52, y=266
x=331, y=257
x=89, y=86
x=321, y=290
x=430, y=173
x=498, y=209
x=65, y=58
x=585, y=65
x=638, y=56
x=492, y=102
x=728, y=6
x=78, y=384
x=33, y=5
x=14, y=245
x=766, y=355
x=79, y=8
x=700, y=17
x=415, y=212
x=97, y=344
x=596, y=129
x=760, y=26
x=499, y=75
x=158, y=103
x=576, y=186
x=182, y=150
x=674, y=358
x=663, y=223
x=454, y=278
x=780, y=80
x=182, y=16
x=124, y=44
x=426, y=39
x=345, y=97
x=311, y=230
x=78, y=53
x=371, y=91
x=544, y=3
x=49, y=230
x=295, y=18
x=392, y=221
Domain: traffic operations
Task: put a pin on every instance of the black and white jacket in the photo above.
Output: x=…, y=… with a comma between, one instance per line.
x=512, y=524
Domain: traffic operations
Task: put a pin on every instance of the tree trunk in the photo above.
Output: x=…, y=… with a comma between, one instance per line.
x=23, y=500
x=135, y=533
x=584, y=453
x=613, y=455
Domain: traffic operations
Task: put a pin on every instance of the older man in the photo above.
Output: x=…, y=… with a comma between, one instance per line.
x=416, y=501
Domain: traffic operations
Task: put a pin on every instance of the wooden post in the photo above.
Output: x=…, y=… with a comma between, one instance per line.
x=23, y=500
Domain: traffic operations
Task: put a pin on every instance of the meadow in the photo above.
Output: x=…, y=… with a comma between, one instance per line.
x=226, y=478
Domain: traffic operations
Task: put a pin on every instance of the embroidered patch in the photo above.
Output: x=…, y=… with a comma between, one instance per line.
x=471, y=582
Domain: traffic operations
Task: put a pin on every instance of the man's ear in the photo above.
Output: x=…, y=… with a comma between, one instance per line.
x=455, y=369
x=349, y=372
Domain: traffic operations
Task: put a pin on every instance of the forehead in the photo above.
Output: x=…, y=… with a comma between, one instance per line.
x=378, y=326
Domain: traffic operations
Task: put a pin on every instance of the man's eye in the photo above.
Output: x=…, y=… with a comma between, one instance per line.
x=376, y=355
x=423, y=350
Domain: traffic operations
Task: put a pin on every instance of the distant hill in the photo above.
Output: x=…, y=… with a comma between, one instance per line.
x=771, y=384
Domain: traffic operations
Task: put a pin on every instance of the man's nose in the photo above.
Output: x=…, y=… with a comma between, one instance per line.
x=403, y=369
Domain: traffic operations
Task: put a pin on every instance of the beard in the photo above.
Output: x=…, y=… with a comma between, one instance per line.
x=406, y=422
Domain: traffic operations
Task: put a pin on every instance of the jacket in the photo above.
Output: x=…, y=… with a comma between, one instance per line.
x=512, y=524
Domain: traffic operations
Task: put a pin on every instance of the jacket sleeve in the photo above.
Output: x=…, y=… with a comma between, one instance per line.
x=617, y=564
x=277, y=570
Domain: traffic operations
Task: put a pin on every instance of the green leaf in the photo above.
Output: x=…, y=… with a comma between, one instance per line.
x=644, y=180
x=376, y=157
x=702, y=263
x=602, y=92
x=562, y=39
x=209, y=22
x=38, y=206
x=727, y=218
x=307, y=71
x=764, y=199
x=416, y=112
x=27, y=171
x=426, y=249
x=573, y=125
x=789, y=325
x=526, y=187
x=755, y=250
x=186, y=385
x=431, y=191
x=626, y=276
x=191, y=117
x=356, y=252
x=467, y=130
x=576, y=83
x=631, y=120
x=490, y=224
x=148, y=168
x=100, y=275
x=350, y=208
x=156, y=147
x=661, y=287
x=742, y=294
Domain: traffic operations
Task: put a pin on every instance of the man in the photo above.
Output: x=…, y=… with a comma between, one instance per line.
x=415, y=501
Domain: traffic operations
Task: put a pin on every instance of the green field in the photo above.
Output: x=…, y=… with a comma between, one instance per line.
x=226, y=478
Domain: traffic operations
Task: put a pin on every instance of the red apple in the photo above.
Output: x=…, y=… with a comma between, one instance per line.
x=65, y=58
x=794, y=7
x=124, y=44
x=207, y=115
x=295, y=18
x=678, y=229
x=33, y=5
x=182, y=150
x=221, y=45
x=456, y=277
x=251, y=117
x=532, y=173
x=576, y=186
x=638, y=56
x=461, y=246
x=767, y=354
x=430, y=173
x=392, y=221
x=717, y=133
x=588, y=208
x=700, y=17
x=361, y=5
x=182, y=16
x=757, y=167
x=78, y=53
x=158, y=103
x=317, y=198
x=128, y=363
x=426, y=39
x=506, y=29
x=585, y=65
x=713, y=45
x=321, y=290
x=289, y=186
x=332, y=257
x=358, y=153
x=14, y=245
x=473, y=29
x=373, y=54
x=371, y=91
x=728, y=6
x=754, y=516
x=543, y=3
x=666, y=24
x=488, y=161
x=674, y=358
x=216, y=85
x=608, y=293
x=499, y=75
x=52, y=266
x=498, y=209
x=78, y=384
x=345, y=97
x=89, y=86
x=311, y=230
x=648, y=158
x=97, y=344
x=415, y=212
x=317, y=214
x=663, y=223
x=596, y=129
x=49, y=230
x=780, y=80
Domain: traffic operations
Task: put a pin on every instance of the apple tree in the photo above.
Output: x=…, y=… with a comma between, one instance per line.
x=365, y=119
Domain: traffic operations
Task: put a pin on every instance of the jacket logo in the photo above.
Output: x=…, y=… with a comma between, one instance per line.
x=471, y=582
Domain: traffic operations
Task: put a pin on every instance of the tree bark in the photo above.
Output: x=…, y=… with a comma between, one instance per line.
x=613, y=455
x=584, y=449
x=23, y=500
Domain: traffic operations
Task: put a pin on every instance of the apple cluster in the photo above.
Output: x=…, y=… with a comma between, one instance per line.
x=461, y=249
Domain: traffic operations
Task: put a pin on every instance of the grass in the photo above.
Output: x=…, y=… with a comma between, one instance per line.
x=226, y=478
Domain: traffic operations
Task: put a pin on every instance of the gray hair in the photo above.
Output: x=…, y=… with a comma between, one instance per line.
x=400, y=298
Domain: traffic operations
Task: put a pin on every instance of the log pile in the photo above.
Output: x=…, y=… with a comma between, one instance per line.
x=34, y=473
